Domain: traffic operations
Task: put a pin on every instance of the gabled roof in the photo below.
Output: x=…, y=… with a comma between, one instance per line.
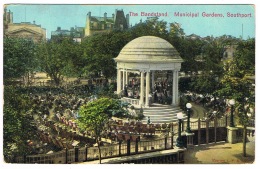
x=25, y=30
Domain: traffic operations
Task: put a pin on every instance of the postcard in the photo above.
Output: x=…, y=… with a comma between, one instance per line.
x=129, y=83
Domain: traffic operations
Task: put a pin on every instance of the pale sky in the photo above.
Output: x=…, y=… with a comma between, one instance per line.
x=66, y=16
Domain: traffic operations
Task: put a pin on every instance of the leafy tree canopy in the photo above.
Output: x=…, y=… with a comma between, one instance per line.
x=56, y=59
x=95, y=114
x=236, y=81
x=19, y=57
x=17, y=123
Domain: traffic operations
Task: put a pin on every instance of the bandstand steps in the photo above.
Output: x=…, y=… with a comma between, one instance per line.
x=153, y=109
x=162, y=120
x=161, y=113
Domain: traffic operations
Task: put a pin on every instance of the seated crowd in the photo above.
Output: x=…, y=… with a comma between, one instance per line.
x=161, y=92
x=55, y=114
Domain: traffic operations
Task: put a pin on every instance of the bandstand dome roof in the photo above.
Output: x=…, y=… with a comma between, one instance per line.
x=148, y=49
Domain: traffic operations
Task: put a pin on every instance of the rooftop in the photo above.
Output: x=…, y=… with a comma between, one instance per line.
x=149, y=49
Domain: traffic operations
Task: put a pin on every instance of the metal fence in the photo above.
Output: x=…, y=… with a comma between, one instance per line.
x=146, y=146
x=77, y=154
x=106, y=152
x=54, y=158
x=205, y=131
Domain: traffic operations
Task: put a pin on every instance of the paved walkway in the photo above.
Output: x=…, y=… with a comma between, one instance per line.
x=221, y=153
x=198, y=111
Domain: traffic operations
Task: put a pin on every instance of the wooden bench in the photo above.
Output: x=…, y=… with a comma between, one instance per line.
x=152, y=130
x=134, y=137
x=120, y=136
x=127, y=137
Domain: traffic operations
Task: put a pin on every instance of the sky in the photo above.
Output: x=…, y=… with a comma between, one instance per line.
x=51, y=16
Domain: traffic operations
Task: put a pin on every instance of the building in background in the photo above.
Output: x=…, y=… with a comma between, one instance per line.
x=8, y=19
x=25, y=30
x=76, y=34
x=97, y=24
x=229, y=51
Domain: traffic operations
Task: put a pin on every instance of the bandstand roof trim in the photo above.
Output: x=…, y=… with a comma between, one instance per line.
x=149, y=49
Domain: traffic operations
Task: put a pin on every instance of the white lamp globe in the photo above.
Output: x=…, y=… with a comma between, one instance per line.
x=232, y=102
x=188, y=105
x=179, y=115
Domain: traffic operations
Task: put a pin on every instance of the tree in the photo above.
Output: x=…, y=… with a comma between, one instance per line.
x=237, y=84
x=99, y=50
x=95, y=115
x=212, y=55
x=18, y=126
x=19, y=58
x=184, y=84
x=212, y=69
x=78, y=61
x=176, y=30
x=204, y=84
x=151, y=27
x=189, y=49
x=56, y=58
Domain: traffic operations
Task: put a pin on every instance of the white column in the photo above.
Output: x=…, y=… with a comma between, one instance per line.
x=153, y=80
x=123, y=79
x=173, y=88
x=142, y=89
x=147, y=91
x=126, y=78
x=118, y=81
x=177, y=88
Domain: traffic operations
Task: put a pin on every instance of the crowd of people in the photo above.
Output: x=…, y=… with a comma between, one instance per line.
x=61, y=105
x=209, y=102
x=160, y=93
x=55, y=111
x=46, y=102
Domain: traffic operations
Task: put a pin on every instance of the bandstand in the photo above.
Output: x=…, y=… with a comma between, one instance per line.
x=146, y=56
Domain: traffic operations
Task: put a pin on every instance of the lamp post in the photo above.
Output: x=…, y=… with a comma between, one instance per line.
x=188, y=106
x=251, y=110
x=232, y=103
x=179, y=140
x=249, y=116
x=214, y=113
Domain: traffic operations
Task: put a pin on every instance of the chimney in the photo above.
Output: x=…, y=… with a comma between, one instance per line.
x=58, y=28
x=116, y=15
x=8, y=16
x=105, y=16
x=34, y=22
x=127, y=20
x=89, y=14
x=11, y=17
x=113, y=16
